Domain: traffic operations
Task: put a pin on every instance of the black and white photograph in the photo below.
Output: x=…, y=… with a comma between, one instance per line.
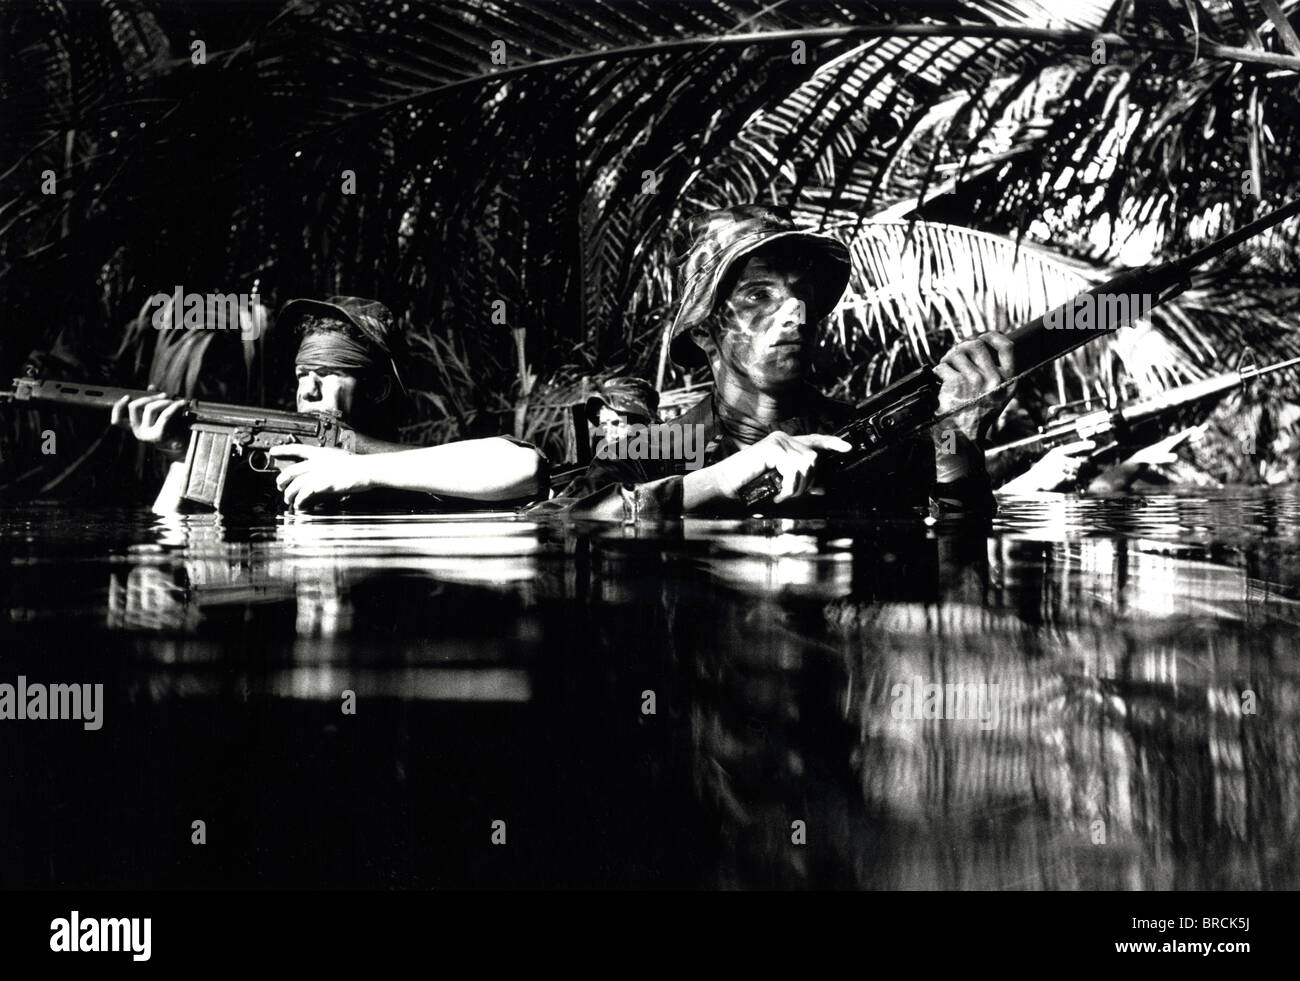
x=545, y=449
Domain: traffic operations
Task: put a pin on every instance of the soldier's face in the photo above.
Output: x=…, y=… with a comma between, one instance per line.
x=326, y=390
x=611, y=425
x=763, y=332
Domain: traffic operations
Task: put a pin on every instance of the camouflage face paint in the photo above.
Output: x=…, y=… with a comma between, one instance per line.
x=763, y=331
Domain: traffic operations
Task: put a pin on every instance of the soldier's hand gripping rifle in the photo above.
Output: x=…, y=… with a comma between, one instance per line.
x=910, y=405
x=218, y=432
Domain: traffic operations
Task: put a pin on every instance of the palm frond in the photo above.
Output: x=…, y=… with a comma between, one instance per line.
x=526, y=181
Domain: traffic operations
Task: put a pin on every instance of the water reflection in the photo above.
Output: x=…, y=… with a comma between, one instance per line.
x=1094, y=693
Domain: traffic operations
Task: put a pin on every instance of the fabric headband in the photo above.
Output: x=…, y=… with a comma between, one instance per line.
x=335, y=349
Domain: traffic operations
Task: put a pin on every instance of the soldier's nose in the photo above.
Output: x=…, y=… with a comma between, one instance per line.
x=793, y=313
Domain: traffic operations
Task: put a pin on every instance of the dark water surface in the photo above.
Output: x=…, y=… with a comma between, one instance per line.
x=1129, y=669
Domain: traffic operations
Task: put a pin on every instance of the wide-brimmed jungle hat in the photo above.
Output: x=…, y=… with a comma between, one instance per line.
x=629, y=396
x=716, y=240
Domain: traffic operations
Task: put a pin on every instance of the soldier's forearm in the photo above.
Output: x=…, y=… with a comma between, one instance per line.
x=365, y=445
x=168, y=500
x=700, y=488
x=490, y=469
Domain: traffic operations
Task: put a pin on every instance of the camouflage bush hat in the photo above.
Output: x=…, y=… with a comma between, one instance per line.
x=630, y=396
x=717, y=239
x=371, y=318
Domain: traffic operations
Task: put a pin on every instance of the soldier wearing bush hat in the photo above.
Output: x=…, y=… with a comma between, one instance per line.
x=753, y=286
x=620, y=403
x=713, y=244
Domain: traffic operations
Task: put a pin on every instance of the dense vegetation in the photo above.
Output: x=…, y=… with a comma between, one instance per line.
x=533, y=157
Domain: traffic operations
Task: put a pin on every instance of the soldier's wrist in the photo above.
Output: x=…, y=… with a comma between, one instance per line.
x=700, y=487
x=368, y=472
x=955, y=456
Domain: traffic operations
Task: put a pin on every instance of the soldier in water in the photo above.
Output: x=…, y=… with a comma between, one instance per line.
x=618, y=404
x=754, y=287
x=347, y=363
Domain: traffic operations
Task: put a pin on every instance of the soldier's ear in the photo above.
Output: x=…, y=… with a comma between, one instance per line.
x=383, y=387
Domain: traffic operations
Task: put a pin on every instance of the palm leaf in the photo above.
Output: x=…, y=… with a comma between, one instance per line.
x=523, y=181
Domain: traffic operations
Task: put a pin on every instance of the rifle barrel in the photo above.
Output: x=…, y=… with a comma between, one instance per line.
x=77, y=394
x=1182, y=395
x=90, y=396
x=1147, y=408
x=1121, y=299
x=1233, y=239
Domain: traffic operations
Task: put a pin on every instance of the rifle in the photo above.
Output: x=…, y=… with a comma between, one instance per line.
x=910, y=405
x=564, y=476
x=1104, y=422
x=218, y=432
